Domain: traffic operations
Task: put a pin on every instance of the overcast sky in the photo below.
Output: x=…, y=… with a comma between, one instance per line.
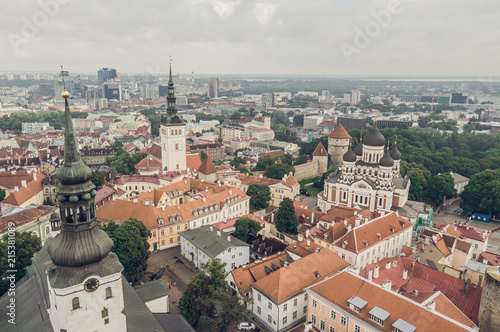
x=326, y=37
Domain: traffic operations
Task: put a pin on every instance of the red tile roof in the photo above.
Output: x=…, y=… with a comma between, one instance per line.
x=344, y=285
x=339, y=132
x=230, y=223
x=147, y=163
x=320, y=151
x=491, y=258
x=424, y=279
x=193, y=161
x=207, y=166
x=463, y=231
x=272, y=154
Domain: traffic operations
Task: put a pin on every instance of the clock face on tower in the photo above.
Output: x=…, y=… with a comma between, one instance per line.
x=91, y=285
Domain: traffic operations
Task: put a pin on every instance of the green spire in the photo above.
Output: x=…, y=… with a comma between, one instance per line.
x=170, y=80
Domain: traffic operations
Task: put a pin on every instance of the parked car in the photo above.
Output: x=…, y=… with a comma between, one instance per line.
x=157, y=275
x=245, y=326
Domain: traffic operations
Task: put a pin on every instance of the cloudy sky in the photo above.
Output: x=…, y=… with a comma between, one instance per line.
x=325, y=37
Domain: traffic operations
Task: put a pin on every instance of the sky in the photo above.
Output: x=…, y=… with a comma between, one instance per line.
x=304, y=37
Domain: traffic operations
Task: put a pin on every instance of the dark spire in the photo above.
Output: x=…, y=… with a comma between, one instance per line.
x=81, y=241
x=172, y=117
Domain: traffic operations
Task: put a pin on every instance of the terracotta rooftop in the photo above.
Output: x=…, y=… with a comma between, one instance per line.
x=286, y=282
x=253, y=272
x=193, y=161
x=365, y=236
x=147, y=163
x=320, y=151
x=25, y=217
x=339, y=132
x=343, y=286
x=491, y=258
x=463, y=231
x=32, y=188
x=424, y=279
x=272, y=154
x=9, y=180
x=207, y=166
x=303, y=248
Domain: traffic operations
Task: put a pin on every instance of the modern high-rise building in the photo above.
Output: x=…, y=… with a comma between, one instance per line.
x=112, y=90
x=267, y=100
x=353, y=97
x=213, y=87
x=105, y=74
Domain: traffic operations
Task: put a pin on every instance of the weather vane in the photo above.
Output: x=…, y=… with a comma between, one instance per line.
x=64, y=73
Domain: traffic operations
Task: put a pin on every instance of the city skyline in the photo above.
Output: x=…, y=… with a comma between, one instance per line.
x=330, y=38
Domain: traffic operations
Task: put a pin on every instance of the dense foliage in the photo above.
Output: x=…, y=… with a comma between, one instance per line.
x=286, y=218
x=2, y=194
x=54, y=118
x=207, y=303
x=260, y=196
x=482, y=194
x=26, y=245
x=124, y=162
x=244, y=227
x=97, y=178
x=131, y=246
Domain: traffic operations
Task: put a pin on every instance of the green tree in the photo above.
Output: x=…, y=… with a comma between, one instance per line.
x=138, y=157
x=419, y=177
x=131, y=246
x=117, y=145
x=97, y=178
x=441, y=185
x=123, y=162
x=260, y=195
x=23, y=246
x=277, y=171
x=237, y=161
x=245, y=227
x=48, y=201
x=301, y=159
x=203, y=155
x=482, y=193
x=2, y=194
x=286, y=218
x=207, y=301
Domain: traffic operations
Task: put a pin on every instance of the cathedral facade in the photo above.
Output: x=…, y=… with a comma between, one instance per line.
x=369, y=177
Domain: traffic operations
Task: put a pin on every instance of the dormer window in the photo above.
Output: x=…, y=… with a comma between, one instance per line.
x=378, y=315
x=356, y=304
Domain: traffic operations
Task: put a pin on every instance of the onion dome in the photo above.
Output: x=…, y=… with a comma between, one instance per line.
x=349, y=156
x=374, y=137
x=387, y=160
x=395, y=154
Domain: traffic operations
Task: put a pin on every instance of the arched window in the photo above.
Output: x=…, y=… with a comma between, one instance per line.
x=177, y=166
x=172, y=132
x=176, y=146
x=76, y=303
x=47, y=230
x=109, y=292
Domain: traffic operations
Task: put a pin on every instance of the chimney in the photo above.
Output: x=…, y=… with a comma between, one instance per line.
x=431, y=306
x=387, y=285
x=317, y=250
x=370, y=274
x=229, y=238
x=379, y=236
x=300, y=238
x=308, y=242
x=308, y=326
x=466, y=287
x=218, y=233
x=23, y=183
x=312, y=217
x=34, y=176
x=287, y=264
x=405, y=274
x=260, y=175
x=211, y=228
x=376, y=272
x=349, y=227
x=394, y=263
x=16, y=188
x=307, y=233
x=388, y=265
x=434, y=238
x=357, y=222
x=163, y=208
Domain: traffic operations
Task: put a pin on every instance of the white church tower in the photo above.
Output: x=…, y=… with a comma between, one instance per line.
x=173, y=135
x=84, y=278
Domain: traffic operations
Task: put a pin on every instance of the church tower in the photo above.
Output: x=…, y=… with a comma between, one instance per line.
x=173, y=135
x=84, y=279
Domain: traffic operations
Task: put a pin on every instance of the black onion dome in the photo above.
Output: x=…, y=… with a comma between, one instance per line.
x=374, y=137
x=349, y=156
x=395, y=154
x=358, y=151
x=387, y=160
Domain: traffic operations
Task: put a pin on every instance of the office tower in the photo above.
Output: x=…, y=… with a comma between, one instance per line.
x=213, y=87
x=105, y=74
